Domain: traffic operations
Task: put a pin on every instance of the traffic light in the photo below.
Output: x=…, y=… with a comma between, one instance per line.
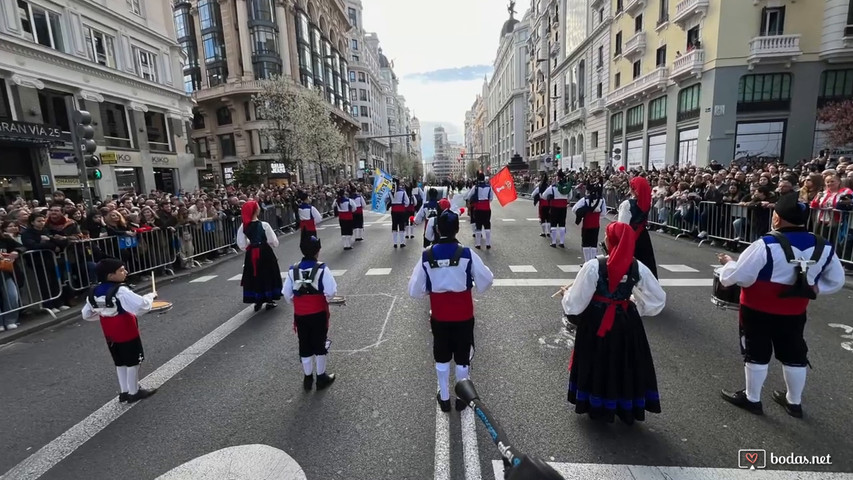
x=94, y=173
x=85, y=134
x=557, y=153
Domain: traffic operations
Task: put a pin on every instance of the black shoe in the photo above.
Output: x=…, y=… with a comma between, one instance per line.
x=542, y=235
x=324, y=380
x=271, y=305
x=781, y=398
x=140, y=395
x=553, y=245
x=473, y=235
x=123, y=396
x=308, y=382
x=460, y=405
x=395, y=245
x=444, y=404
x=739, y=399
x=477, y=247
x=488, y=247
x=402, y=245
x=347, y=248
x=562, y=245
x=359, y=239
x=258, y=307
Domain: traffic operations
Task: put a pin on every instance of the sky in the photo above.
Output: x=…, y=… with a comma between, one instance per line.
x=441, y=50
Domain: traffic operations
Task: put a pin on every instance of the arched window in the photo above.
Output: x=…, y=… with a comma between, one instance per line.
x=580, y=144
x=572, y=146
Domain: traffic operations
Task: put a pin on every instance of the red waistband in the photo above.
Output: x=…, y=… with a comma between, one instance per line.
x=592, y=220
x=452, y=306
x=482, y=205
x=308, y=304
x=559, y=202
x=308, y=225
x=544, y=203
x=763, y=296
x=120, y=328
x=345, y=215
x=609, y=313
x=359, y=210
x=398, y=208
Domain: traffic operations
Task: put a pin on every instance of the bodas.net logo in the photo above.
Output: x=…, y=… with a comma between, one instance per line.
x=752, y=459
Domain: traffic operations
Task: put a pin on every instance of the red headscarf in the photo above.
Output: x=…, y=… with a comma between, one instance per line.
x=620, y=239
x=644, y=193
x=249, y=209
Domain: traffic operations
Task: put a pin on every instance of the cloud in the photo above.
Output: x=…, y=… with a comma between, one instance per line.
x=455, y=74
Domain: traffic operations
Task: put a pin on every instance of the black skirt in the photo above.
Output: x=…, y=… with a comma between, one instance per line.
x=644, y=252
x=612, y=375
x=346, y=227
x=263, y=285
x=357, y=220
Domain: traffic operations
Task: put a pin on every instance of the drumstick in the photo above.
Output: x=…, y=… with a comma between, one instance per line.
x=153, y=285
x=558, y=292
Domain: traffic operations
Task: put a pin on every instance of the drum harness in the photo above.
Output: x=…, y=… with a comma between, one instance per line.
x=800, y=288
x=111, y=305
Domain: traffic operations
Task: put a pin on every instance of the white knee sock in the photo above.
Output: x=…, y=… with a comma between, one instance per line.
x=553, y=235
x=795, y=381
x=562, y=232
x=122, y=378
x=394, y=234
x=443, y=372
x=321, y=364
x=133, y=379
x=477, y=235
x=547, y=228
x=589, y=253
x=488, y=237
x=359, y=233
x=307, y=365
x=755, y=375
x=544, y=227
x=461, y=372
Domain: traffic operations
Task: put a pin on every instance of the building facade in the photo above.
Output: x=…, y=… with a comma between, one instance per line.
x=543, y=46
x=367, y=94
x=441, y=164
x=116, y=59
x=232, y=45
x=695, y=80
x=418, y=156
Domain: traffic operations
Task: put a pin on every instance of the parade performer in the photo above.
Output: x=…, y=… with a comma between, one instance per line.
x=588, y=211
x=398, y=201
x=611, y=371
x=345, y=210
x=429, y=210
x=635, y=212
x=410, y=212
x=358, y=215
x=308, y=217
x=261, y=276
x=558, y=205
x=447, y=271
x=779, y=274
x=544, y=213
x=117, y=307
x=480, y=198
x=309, y=285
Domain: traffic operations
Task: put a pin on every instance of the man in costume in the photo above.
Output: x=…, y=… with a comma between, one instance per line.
x=558, y=205
x=635, y=212
x=447, y=271
x=779, y=274
x=544, y=213
x=358, y=216
x=430, y=209
x=309, y=285
x=308, y=217
x=480, y=201
x=345, y=209
x=117, y=307
x=588, y=213
x=398, y=201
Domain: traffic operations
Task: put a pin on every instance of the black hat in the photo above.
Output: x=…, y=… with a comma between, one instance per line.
x=448, y=224
x=790, y=209
x=106, y=267
x=481, y=176
x=432, y=194
x=310, y=247
x=302, y=195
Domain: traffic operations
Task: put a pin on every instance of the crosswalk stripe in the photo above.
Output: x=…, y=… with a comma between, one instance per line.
x=205, y=278
x=379, y=271
x=558, y=282
x=679, y=268
x=235, y=278
x=338, y=273
x=508, y=219
x=522, y=268
x=570, y=268
x=533, y=219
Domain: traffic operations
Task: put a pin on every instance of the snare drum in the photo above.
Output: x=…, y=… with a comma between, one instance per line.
x=726, y=298
x=160, y=306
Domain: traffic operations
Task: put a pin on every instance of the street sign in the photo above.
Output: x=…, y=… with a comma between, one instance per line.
x=45, y=180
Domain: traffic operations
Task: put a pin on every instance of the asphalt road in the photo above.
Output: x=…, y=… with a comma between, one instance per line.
x=231, y=378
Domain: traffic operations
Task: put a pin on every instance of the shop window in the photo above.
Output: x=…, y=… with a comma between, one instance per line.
x=223, y=116
x=198, y=120
x=226, y=146
x=115, y=125
x=634, y=154
x=688, y=147
x=688, y=102
x=657, y=152
x=361, y=77
x=835, y=86
x=41, y=26
x=158, y=132
x=760, y=139
x=657, y=112
x=767, y=92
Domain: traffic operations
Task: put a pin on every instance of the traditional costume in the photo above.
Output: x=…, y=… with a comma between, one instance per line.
x=480, y=198
x=309, y=285
x=117, y=307
x=308, y=217
x=447, y=271
x=544, y=212
x=779, y=274
x=428, y=211
x=558, y=205
x=588, y=213
x=611, y=371
x=410, y=213
x=358, y=215
x=635, y=212
x=345, y=209
x=261, y=276
x=398, y=201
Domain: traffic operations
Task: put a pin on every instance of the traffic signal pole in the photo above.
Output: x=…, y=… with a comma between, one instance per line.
x=82, y=132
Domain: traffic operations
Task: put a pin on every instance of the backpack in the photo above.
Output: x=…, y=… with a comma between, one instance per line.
x=564, y=187
x=800, y=288
x=306, y=285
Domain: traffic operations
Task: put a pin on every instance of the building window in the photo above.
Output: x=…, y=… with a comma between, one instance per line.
x=760, y=139
x=657, y=112
x=770, y=91
x=365, y=128
x=693, y=39
x=617, y=80
x=355, y=58
x=354, y=110
x=198, y=120
x=354, y=44
x=364, y=111
x=183, y=22
x=352, y=76
x=618, y=46
x=213, y=47
x=688, y=102
x=660, y=57
x=209, y=15
x=599, y=90
x=353, y=17
x=772, y=21
x=835, y=86
x=41, y=26
x=264, y=41
x=600, y=62
x=146, y=64
x=203, y=148
x=362, y=95
x=216, y=74
x=638, y=23
x=688, y=147
x=594, y=140
x=266, y=144
x=581, y=84
x=100, y=47
x=266, y=70
x=663, y=16
x=115, y=125
x=223, y=116
x=635, y=119
x=618, y=7
x=616, y=124
x=134, y=7
x=636, y=69
x=361, y=77
x=158, y=134
x=262, y=10
x=5, y=107
x=226, y=145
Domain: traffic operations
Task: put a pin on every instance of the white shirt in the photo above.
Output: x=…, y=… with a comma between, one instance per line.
x=330, y=286
x=306, y=214
x=647, y=295
x=624, y=213
x=584, y=202
x=243, y=242
x=480, y=193
x=450, y=279
x=397, y=198
x=130, y=302
x=553, y=193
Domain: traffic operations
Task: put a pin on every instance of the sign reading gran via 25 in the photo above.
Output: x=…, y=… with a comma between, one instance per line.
x=32, y=131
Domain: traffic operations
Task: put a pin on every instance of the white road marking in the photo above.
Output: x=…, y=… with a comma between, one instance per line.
x=49, y=455
x=679, y=268
x=205, y=278
x=320, y=228
x=570, y=268
x=442, y=444
x=379, y=340
x=237, y=277
x=379, y=271
x=558, y=282
x=470, y=452
x=338, y=273
x=594, y=471
x=522, y=268
x=243, y=461
x=386, y=224
x=507, y=219
x=533, y=219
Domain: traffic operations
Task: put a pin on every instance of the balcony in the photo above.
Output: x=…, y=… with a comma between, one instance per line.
x=634, y=7
x=596, y=106
x=576, y=115
x=234, y=88
x=690, y=11
x=644, y=86
x=837, y=44
x=688, y=65
x=635, y=47
x=774, y=49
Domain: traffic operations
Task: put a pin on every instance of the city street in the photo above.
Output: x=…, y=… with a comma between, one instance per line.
x=231, y=377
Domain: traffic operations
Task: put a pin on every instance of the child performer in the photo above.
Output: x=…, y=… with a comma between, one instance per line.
x=358, y=216
x=588, y=212
x=345, y=209
x=261, y=276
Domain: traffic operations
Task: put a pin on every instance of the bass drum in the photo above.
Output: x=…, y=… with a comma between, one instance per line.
x=726, y=298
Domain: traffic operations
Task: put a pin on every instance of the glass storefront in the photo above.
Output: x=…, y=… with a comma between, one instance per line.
x=657, y=152
x=128, y=179
x=16, y=175
x=166, y=180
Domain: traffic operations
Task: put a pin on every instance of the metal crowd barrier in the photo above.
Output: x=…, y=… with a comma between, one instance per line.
x=35, y=281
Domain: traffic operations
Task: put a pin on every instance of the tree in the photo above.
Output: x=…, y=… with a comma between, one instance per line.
x=840, y=116
x=431, y=179
x=248, y=173
x=403, y=165
x=472, y=168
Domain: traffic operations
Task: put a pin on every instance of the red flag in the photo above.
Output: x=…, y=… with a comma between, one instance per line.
x=504, y=187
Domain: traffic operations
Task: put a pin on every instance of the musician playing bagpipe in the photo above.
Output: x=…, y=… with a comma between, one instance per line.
x=779, y=274
x=588, y=212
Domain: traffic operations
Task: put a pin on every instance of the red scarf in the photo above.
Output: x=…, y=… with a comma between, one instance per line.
x=643, y=192
x=620, y=240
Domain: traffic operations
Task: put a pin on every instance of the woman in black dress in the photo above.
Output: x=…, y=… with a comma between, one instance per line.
x=261, y=276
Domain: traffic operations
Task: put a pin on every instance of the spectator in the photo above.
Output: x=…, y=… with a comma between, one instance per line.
x=36, y=237
x=11, y=251
x=828, y=202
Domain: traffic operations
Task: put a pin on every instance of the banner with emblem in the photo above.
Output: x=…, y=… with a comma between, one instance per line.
x=504, y=187
x=382, y=183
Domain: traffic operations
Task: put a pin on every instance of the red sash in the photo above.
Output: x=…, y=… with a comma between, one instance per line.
x=452, y=306
x=120, y=328
x=764, y=297
x=482, y=205
x=308, y=225
x=592, y=220
x=559, y=202
x=398, y=207
x=609, y=313
x=310, y=304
